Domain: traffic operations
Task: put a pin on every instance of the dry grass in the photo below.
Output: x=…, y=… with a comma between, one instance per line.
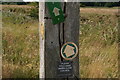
x=98, y=43
x=16, y=6
x=20, y=43
x=106, y=11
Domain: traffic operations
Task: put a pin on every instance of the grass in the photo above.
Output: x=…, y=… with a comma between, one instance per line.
x=98, y=43
x=20, y=43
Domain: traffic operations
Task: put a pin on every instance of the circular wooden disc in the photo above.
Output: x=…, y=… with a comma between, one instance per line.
x=69, y=51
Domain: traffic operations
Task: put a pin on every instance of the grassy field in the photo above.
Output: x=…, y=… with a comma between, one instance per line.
x=20, y=43
x=98, y=43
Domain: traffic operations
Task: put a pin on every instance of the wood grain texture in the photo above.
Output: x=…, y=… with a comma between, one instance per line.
x=52, y=48
x=71, y=30
x=42, y=40
x=57, y=35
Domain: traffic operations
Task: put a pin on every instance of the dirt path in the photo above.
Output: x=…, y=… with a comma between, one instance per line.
x=99, y=10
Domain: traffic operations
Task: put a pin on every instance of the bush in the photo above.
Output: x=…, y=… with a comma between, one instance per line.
x=109, y=4
x=35, y=11
x=82, y=5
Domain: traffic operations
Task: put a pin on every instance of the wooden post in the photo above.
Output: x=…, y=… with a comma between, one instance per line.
x=42, y=39
x=71, y=30
x=55, y=37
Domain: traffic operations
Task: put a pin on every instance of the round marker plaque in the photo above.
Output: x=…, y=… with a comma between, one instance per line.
x=69, y=51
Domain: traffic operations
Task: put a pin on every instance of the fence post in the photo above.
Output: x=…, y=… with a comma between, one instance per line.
x=42, y=40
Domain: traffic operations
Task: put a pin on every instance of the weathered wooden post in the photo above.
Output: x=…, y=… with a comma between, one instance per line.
x=56, y=35
x=42, y=39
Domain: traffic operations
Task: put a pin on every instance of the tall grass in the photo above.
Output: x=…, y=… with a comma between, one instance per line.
x=20, y=43
x=98, y=45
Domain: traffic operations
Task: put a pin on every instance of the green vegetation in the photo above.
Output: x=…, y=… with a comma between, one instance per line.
x=35, y=11
x=20, y=42
x=98, y=43
x=82, y=4
x=15, y=3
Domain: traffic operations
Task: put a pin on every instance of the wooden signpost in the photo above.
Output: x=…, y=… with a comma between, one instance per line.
x=55, y=35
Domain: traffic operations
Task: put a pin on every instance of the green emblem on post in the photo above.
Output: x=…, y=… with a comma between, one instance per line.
x=56, y=12
x=69, y=51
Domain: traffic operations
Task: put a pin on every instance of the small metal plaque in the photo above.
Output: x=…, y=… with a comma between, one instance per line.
x=65, y=69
